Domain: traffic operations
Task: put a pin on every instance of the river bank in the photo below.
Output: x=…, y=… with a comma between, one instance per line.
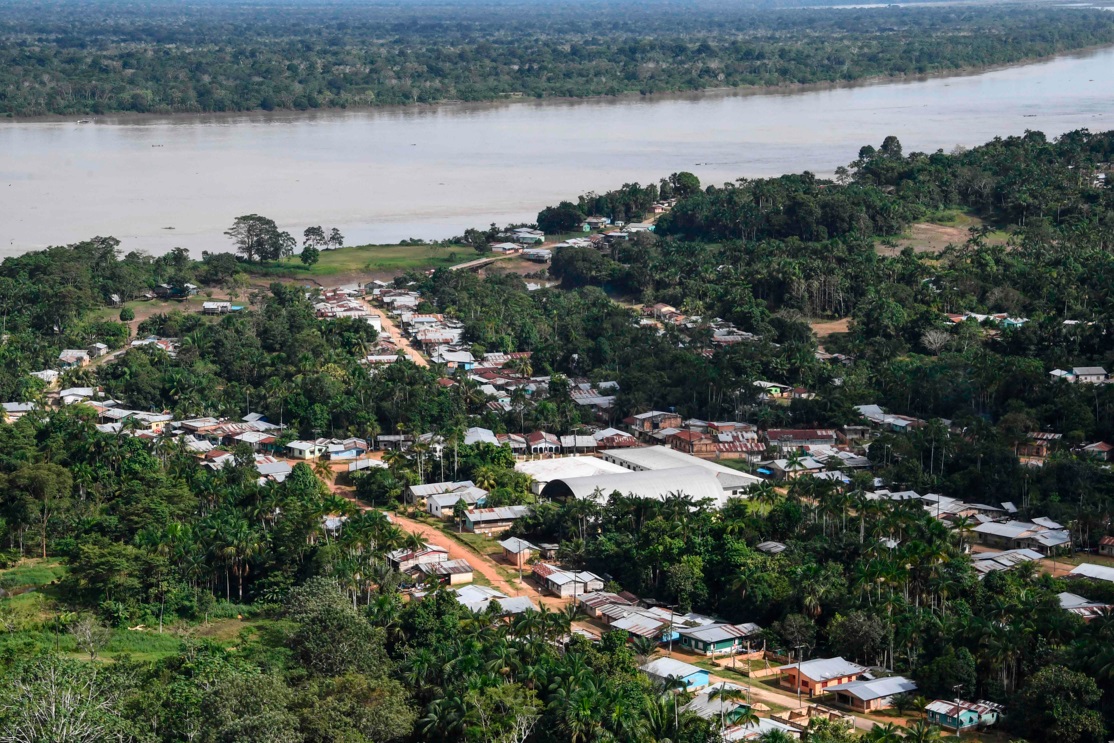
x=126, y=118
x=383, y=176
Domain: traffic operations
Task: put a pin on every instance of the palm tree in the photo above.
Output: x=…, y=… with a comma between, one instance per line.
x=727, y=694
x=922, y=731
x=888, y=733
x=776, y=736
x=323, y=471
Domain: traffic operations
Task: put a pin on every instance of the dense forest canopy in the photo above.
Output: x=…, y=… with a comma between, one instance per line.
x=60, y=58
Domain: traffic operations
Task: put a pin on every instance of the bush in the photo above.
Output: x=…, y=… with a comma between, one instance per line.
x=127, y=314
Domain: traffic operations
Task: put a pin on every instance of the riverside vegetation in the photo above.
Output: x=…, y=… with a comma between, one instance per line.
x=138, y=535
x=57, y=58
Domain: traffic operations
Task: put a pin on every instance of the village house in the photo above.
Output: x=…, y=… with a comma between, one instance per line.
x=305, y=449
x=216, y=308
x=1083, y=608
x=592, y=603
x=73, y=358
x=1039, y=444
x=813, y=677
x=1106, y=546
x=1093, y=571
x=493, y=520
x=404, y=560
x=447, y=572
x=714, y=706
x=653, y=420
x=417, y=495
x=566, y=582
x=795, y=439
x=663, y=670
x=871, y=695
x=1041, y=537
x=443, y=505
x=10, y=412
x=888, y=421
x=785, y=469
x=540, y=442
x=718, y=639
x=1099, y=450
x=960, y=715
x=692, y=442
x=518, y=551
x=1081, y=375
x=479, y=598
x=96, y=350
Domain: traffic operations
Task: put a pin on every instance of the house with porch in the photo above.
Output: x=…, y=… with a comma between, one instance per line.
x=960, y=715
x=404, y=560
x=493, y=520
x=662, y=670
x=718, y=639
x=813, y=677
x=870, y=695
x=518, y=551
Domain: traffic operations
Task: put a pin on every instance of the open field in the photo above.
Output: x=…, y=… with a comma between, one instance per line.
x=374, y=261
x=824, y=328
x=950, y=227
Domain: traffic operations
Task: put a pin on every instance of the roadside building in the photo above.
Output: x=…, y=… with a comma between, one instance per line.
x=566, y=582
x=718, y=639
x=518, y=551
x=662, y=670
x=493, y=520
x=813, y=677
x=447, y=572
x=957, y=714
x=404, y=560
x=870, y=695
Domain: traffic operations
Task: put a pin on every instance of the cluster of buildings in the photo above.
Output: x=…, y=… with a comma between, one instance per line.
x=344, y=302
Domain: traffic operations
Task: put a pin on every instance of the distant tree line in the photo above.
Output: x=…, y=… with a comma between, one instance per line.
x=167, y=57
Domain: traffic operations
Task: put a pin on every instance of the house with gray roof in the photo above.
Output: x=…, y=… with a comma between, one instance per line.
x=869, y=695
x=667, y=669
x=813, y=677
x=719, y=638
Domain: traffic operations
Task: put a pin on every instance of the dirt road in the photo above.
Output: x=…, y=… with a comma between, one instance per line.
x=392, y=330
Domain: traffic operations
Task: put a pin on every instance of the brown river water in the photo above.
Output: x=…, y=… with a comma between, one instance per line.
x=430, y=172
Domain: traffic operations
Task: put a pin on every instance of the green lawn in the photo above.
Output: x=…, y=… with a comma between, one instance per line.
x=372, y=258
x=34, y=572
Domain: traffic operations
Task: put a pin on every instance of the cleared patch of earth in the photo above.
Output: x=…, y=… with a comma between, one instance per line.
x=824, y=328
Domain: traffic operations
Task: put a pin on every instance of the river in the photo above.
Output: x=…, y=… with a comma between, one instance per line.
x=385, y=175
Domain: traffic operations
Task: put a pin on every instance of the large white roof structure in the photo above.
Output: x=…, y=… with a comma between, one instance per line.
x=694, y=482
x=545, y=471
x=657, y=458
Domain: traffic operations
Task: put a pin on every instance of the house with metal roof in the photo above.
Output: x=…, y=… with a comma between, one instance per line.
x=566, y=582
x=404, y=560
x=441, y=505
x=989, y=562
x=417, y=494
x=662, y=670
x=493, y=520
x=450, y=572
x=479, y=598
x=711, y=706
x=815, y=676
x=1024, y=535
x=1082, y=607
x=868, y=695
x=961, y=715
x=719, y=638
x=771, y=548
x=1090, y=570
x=518, y=551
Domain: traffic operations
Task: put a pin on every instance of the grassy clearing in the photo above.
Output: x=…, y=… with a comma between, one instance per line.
x=371, y=259
x=32, y=573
